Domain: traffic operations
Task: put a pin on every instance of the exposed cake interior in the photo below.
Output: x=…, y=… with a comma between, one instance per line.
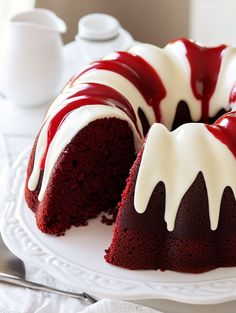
x=88, y=177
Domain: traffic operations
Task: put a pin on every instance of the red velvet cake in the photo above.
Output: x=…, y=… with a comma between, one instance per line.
x=178, y=208
x=189, y=233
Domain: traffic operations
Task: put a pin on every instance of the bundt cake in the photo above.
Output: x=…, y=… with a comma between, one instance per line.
x=179, y=197
x=178, y=211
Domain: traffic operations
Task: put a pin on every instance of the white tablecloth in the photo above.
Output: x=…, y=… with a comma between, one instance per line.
x=18, y=127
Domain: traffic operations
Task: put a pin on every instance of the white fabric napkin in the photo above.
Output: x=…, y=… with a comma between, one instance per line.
x=116, y=306
x=47, y=305
x=22, y=300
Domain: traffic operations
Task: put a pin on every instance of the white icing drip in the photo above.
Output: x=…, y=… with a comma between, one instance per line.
x=59, y=103
x=40, y=149
x=107, y=78
x=174, y=70
x=74, y=122
x=61, y=100
x=225, y=82
x=176, y=158
x=124, y=86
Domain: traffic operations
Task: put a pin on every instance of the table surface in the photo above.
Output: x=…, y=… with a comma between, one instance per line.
x=19, y=126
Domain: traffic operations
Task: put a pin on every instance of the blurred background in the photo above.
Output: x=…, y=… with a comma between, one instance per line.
x=210, y=22
x=156, y=21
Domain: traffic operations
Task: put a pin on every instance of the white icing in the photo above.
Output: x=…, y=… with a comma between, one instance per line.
x=173, y=68
x=105, y=77
x=124, y=86
x=74, y=122
x=176, y=158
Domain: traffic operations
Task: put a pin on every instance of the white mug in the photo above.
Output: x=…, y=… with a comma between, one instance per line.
x=33, y=62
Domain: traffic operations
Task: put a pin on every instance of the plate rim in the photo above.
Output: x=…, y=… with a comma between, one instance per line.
x=15, y=235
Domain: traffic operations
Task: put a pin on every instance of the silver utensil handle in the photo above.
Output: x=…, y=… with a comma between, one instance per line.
x=28, y=284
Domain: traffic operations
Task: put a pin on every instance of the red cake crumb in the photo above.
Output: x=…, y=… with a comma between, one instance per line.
x=110, y=216
x=87, y=179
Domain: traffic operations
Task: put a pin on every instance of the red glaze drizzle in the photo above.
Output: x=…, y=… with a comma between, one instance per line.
x=88, y=94
x=135, y=69
x=205, y=66
x=110, y=95
x=232, y=97
x=224, y=129
x=139, y=72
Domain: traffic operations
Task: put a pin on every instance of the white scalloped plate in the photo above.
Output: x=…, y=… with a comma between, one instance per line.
x=77, y=258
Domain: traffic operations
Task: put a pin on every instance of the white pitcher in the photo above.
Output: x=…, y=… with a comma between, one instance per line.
x=33, y=62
